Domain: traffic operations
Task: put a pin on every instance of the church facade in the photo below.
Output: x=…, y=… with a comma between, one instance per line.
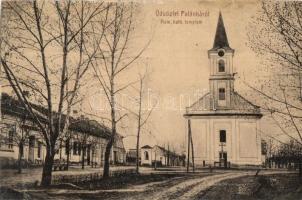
x=224, y=126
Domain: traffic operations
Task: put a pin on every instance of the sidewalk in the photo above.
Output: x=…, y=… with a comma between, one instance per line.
x=10, y=177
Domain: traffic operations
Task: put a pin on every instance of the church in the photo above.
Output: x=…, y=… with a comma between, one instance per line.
x=223, y=125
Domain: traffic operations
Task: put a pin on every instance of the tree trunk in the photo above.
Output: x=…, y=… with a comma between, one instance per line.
x=113, y=129
x=20, y=158
x=68, y=154
x=107, y=159
x=137, y=153
x=300, y=168
x=60, y=150
x=92, y=160
x=83, y=157
x=47, y=168
x=155, y=161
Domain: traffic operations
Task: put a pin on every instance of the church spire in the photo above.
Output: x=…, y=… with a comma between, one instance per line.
x=221, y=39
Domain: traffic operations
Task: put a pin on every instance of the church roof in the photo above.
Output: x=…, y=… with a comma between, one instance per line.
x=239, y=107
x=221, y=39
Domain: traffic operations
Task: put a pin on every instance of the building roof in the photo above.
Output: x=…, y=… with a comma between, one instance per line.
x=146, y=147
x=90, y=127
x=221, y=39
x=13, y=107
x=167, y=152
x=239, y=106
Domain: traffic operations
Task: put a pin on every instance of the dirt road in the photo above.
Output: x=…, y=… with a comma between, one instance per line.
x=183, y=187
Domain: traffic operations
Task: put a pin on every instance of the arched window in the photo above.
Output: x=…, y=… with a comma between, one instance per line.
x=221, y=66
x=146, y=155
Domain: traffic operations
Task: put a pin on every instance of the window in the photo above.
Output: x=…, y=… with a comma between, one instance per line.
x=263, y=147
x=39, y=149
x=21, y=149
x=10, y=139
x=222, y=134
x=221, y=67
x=75, y=148
x=79, y=148
x=31, y=141
x=146, y=155
x=221, y=94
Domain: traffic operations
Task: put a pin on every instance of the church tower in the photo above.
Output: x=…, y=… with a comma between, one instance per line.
x=221, y=69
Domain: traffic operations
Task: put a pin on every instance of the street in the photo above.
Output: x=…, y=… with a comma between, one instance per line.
x=170, y=185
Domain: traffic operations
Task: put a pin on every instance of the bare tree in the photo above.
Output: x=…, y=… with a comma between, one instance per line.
x=141, y=116
x=116, y=58
x=46, y=50
x=277, y=38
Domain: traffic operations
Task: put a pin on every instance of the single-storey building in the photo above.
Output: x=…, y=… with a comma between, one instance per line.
x=160, y=156
x=85, y=139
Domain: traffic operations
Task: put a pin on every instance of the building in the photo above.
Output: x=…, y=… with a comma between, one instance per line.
x=87, y=139
x=146, y=155
x=160, y=156
x=131, y=156
x=223, y=124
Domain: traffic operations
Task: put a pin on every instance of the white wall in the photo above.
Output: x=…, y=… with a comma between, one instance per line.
x=144, y=161
x=243, y=141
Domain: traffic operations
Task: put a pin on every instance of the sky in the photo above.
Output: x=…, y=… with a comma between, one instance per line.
x=177, y=67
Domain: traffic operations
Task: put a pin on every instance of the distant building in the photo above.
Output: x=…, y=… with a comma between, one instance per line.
x=87, y=137
x=160, y=156
x=131, y=156
x=146, y=155
x=224, y=125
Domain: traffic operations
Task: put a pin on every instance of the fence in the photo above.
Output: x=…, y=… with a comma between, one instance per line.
x=78, y=178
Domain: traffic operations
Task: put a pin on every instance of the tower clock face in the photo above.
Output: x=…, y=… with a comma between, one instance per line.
x=221, y=53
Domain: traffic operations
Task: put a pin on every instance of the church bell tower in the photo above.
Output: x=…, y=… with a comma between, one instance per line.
x=221, y=69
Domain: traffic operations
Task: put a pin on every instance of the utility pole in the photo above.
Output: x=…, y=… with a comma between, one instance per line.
x=155, y=158
x=168, y=155
x=189, y=132
x=192, y=147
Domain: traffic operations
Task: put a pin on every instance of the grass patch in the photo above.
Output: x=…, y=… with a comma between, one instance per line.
x=124, y=181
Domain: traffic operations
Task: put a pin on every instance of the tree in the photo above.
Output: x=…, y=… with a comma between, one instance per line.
x=277, y=38
x=115, y=58
x=141, y=117
x=46, y=50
